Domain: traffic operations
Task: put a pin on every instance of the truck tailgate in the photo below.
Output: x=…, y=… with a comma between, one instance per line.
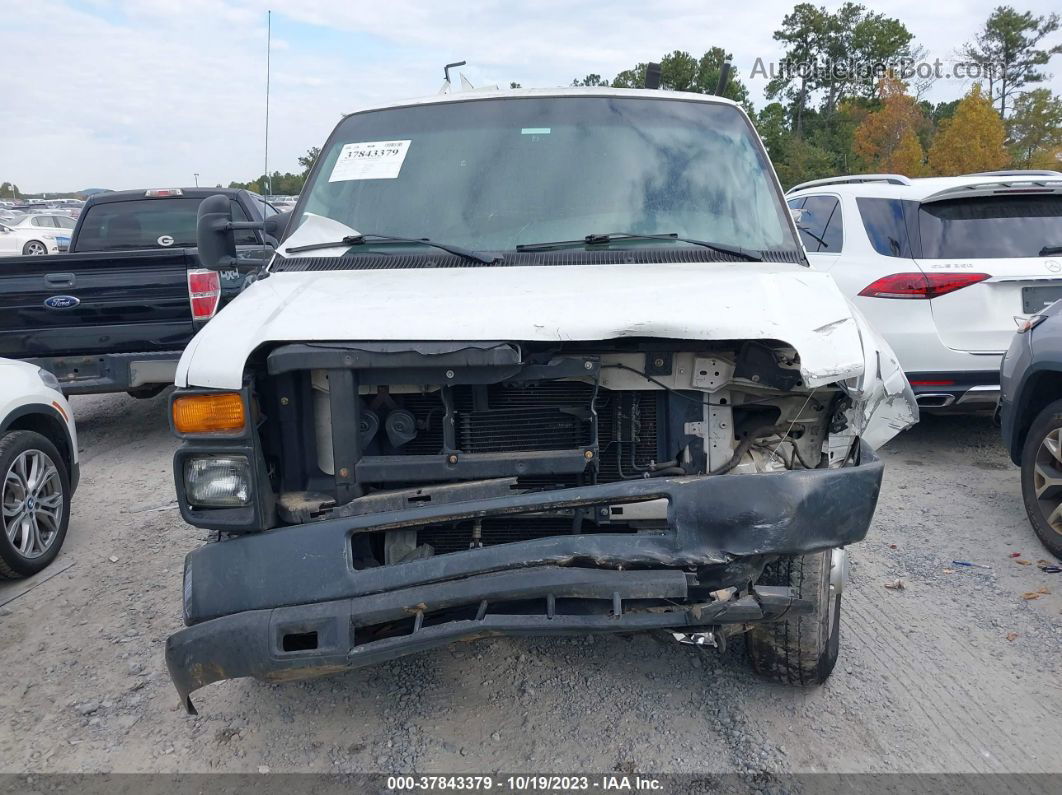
x=69, y=304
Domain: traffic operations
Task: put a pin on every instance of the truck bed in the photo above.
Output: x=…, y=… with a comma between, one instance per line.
x=71, y=312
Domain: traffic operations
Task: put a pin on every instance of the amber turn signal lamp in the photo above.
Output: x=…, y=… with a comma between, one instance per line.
x=217, y=413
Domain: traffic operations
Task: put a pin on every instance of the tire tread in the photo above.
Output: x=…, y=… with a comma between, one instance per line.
x=796, y=650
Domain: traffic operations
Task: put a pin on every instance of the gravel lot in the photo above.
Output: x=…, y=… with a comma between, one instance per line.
x=930, y=679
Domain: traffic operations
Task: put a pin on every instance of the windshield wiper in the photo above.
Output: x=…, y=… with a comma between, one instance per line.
x=1048, y=251
x=369, y=237
x=605, y=239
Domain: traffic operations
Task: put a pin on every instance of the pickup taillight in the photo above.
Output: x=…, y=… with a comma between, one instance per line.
x=204, y=293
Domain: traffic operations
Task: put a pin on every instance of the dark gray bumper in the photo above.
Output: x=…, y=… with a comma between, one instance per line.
x=244, y=596
x=111, y=372
x=254, y=643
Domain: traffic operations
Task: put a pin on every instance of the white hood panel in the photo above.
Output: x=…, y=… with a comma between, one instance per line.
x=712, y=301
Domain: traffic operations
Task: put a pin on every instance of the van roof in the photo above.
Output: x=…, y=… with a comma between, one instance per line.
x=581, y=91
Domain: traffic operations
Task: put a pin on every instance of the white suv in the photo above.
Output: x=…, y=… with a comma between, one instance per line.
x=941, y=266
x=38, y=468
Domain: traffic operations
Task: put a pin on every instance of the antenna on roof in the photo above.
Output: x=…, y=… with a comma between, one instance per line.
x=446, y=76
x=268, y=186
x=652, y=75
x=724, y=78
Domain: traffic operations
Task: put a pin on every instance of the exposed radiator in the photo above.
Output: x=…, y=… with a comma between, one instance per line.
x=549, y=415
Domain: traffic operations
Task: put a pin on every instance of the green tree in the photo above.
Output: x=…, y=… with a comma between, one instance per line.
x=881, y=41
x=1009, y=46
x=307, y=160
x=630, y=78
x=831, y=54
x=838, y=46
x=9, y=191
x=1035, y=127
x=802, y=34
x=278, y=184
x=935, y=115
x=801, y=160
x=680, y=71
x=710, y=67
x=772, y=127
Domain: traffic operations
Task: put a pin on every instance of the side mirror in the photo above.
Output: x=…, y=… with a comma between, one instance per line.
x=213, y=233
x=214, y=229
x=275, y=227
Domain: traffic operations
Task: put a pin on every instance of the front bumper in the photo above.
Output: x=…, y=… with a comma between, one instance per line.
x=287, y=603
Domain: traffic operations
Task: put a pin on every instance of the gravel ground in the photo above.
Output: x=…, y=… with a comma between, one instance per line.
x=956, y=672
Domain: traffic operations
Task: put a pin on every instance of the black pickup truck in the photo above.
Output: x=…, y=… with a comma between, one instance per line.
x=115, y=313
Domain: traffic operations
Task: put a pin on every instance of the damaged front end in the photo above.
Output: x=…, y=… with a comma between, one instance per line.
x=400, y=496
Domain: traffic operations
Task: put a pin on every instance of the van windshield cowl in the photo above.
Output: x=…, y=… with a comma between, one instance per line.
x=499, y=174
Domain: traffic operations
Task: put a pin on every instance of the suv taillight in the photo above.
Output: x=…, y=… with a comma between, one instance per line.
x=920, y=285
x=204, y=293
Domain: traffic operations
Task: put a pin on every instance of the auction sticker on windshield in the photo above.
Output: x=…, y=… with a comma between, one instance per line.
x=370, y=160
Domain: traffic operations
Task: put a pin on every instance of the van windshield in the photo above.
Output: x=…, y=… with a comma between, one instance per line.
x=493, y=174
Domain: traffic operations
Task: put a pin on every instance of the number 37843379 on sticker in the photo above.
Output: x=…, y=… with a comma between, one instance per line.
x=369, y=160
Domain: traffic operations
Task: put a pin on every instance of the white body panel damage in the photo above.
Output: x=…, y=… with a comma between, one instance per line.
x=709, y=301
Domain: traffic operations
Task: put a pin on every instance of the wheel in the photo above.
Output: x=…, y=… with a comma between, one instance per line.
x=802, y=649
x=1041, y=476
x=35, y=248
x=34, y=495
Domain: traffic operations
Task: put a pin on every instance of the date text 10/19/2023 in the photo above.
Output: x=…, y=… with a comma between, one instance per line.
x=524, y=783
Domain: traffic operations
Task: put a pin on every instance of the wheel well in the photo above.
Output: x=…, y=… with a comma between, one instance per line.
x=51, y=428
x=1042, y=388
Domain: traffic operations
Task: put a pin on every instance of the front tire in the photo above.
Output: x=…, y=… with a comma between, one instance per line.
x=801, y=649
x=34, y=503
x=1041, y=477
x=34, y=248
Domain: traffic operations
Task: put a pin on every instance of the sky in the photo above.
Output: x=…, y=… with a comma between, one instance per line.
x=148, y=93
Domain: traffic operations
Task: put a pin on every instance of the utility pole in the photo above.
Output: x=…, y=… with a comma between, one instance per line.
x=269, y=40
x=196, y=175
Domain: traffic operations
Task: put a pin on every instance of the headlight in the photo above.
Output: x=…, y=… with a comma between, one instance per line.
x=48, y=379
x=217, y=481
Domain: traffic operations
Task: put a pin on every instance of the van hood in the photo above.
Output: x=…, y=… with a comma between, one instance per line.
x=703, y=301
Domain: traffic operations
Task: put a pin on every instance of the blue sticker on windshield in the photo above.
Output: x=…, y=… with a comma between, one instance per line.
x=535, y=131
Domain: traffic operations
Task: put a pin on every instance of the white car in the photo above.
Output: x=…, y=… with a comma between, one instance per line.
x=941, y=267
x=36, y=234
x=38, y=468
